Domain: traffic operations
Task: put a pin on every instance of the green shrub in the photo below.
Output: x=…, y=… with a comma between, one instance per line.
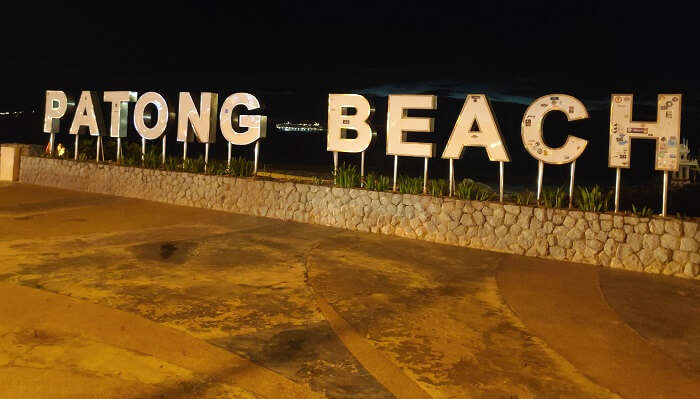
x=410, y=185
x=554, y=198
x=173, y=163
x=193, y=165
x=152, y=159
x=377, y=182
x=241, y=167
x=130, y=161
x=86, y=147
x=110, y=149
x=438, y=187
x=470, y=190
x=525, y=198
x=644, y=212
x=347, y=176
x=217, y=167
x=593, y=199
x=317, y=181
x=131, y=151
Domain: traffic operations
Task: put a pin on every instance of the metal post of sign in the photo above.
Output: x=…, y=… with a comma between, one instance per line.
x=51, y=141
x=143, y=149
x=362, y=169
x=335, y=162
x=396, y=168
x=229, y=154
x=664, y=198
x=164, y=142
x=540, y=172
x=97, y=149
x=425, y=176
x=119, y=149
x=256, y=153
x=206, y=156
x=500, y=179
x=102, y=149
x=617, y=190
x=571, y=184
x=184, y=150
x=76, y=147
x=452, y=176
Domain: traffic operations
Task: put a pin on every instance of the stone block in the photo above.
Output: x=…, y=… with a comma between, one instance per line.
x=617, y=235
x=673, y=227
x=656, y=226
x=690, y=229
x=9, y=163
x=688, y=244
x=670, y=241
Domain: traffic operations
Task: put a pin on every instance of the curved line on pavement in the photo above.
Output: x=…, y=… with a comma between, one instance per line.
x=378, y=365
x=562, y=304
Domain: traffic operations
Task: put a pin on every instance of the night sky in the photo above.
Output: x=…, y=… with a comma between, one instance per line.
x=519, y=50
x=291, y=55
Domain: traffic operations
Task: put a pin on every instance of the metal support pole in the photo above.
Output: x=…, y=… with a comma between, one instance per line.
x=100, y=149
x=362, y=169
x=164, y=142
x=396, y=167
x=206, y=156
x=184, y=150
x=425, y=176
x=97, y=149
x=256, y=153
x=229, y=154
x=664, y=198
x=119, y=149
x=540, y=172
x=571, y=184
x=335, y=162
x=51, y=141
x=500, y=179
x=452, y=176
x=76, y=147
x=143, y=149
x=617, y=190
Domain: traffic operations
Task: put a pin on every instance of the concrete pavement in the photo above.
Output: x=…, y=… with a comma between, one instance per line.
x=111, y=297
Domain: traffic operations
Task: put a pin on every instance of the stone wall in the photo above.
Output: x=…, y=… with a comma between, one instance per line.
x=654, y=245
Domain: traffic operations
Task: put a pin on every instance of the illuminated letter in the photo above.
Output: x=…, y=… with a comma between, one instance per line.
x=398, y=124
x=339, y=123
x=666, y=131
x=161, y=119
x=89, y=113
x=120, y=110
x=191, y=123
x=57, y=103
x=531, y=129
x=256, y=124
x=476, y=109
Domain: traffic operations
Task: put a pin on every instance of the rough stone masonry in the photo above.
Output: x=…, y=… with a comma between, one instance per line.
x=654, y=245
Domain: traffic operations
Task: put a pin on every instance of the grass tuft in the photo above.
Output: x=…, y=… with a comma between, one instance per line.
x=592, y=199
x=377, y=182
x=410, y=185
x=470, y=190
x=347, y=176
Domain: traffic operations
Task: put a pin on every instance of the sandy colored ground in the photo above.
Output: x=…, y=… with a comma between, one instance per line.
x=110, y=297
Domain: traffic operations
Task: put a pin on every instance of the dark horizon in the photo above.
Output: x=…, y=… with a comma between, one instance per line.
x=587, y=50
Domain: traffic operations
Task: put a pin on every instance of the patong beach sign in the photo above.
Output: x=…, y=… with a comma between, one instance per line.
x=154, y=116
